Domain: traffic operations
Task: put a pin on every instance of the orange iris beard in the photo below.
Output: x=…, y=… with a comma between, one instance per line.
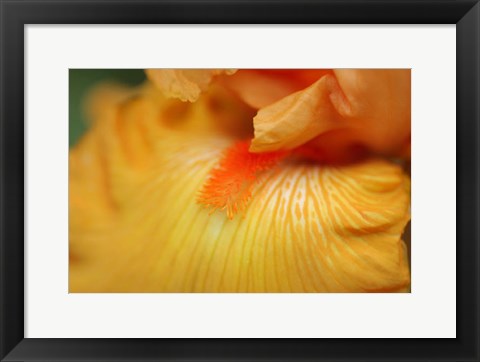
x=230, y=184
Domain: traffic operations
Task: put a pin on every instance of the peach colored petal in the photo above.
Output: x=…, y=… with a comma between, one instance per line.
x=380, y=100
x=260, y=88
x=370, y=108
x=296, y=118
x=184, y=84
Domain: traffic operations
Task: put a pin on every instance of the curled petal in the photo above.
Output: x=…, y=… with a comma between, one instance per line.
x=297, y=118
x=354, y=107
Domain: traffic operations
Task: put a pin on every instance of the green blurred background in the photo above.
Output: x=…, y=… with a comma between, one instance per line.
x=81, y=81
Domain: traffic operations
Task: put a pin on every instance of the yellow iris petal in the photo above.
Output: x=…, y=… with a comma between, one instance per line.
x=135, y=225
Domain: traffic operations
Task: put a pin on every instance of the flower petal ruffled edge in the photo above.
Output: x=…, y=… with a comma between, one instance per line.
x=184, y=84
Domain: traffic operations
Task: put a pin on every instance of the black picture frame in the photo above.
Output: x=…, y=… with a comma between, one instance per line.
x=15, y=14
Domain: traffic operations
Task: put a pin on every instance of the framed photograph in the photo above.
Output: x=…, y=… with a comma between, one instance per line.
x=239, y=180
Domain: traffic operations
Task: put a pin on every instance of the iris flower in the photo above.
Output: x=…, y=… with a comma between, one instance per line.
x=223, y=180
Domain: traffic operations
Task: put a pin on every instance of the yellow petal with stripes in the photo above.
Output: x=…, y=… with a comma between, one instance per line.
x=135, y=225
